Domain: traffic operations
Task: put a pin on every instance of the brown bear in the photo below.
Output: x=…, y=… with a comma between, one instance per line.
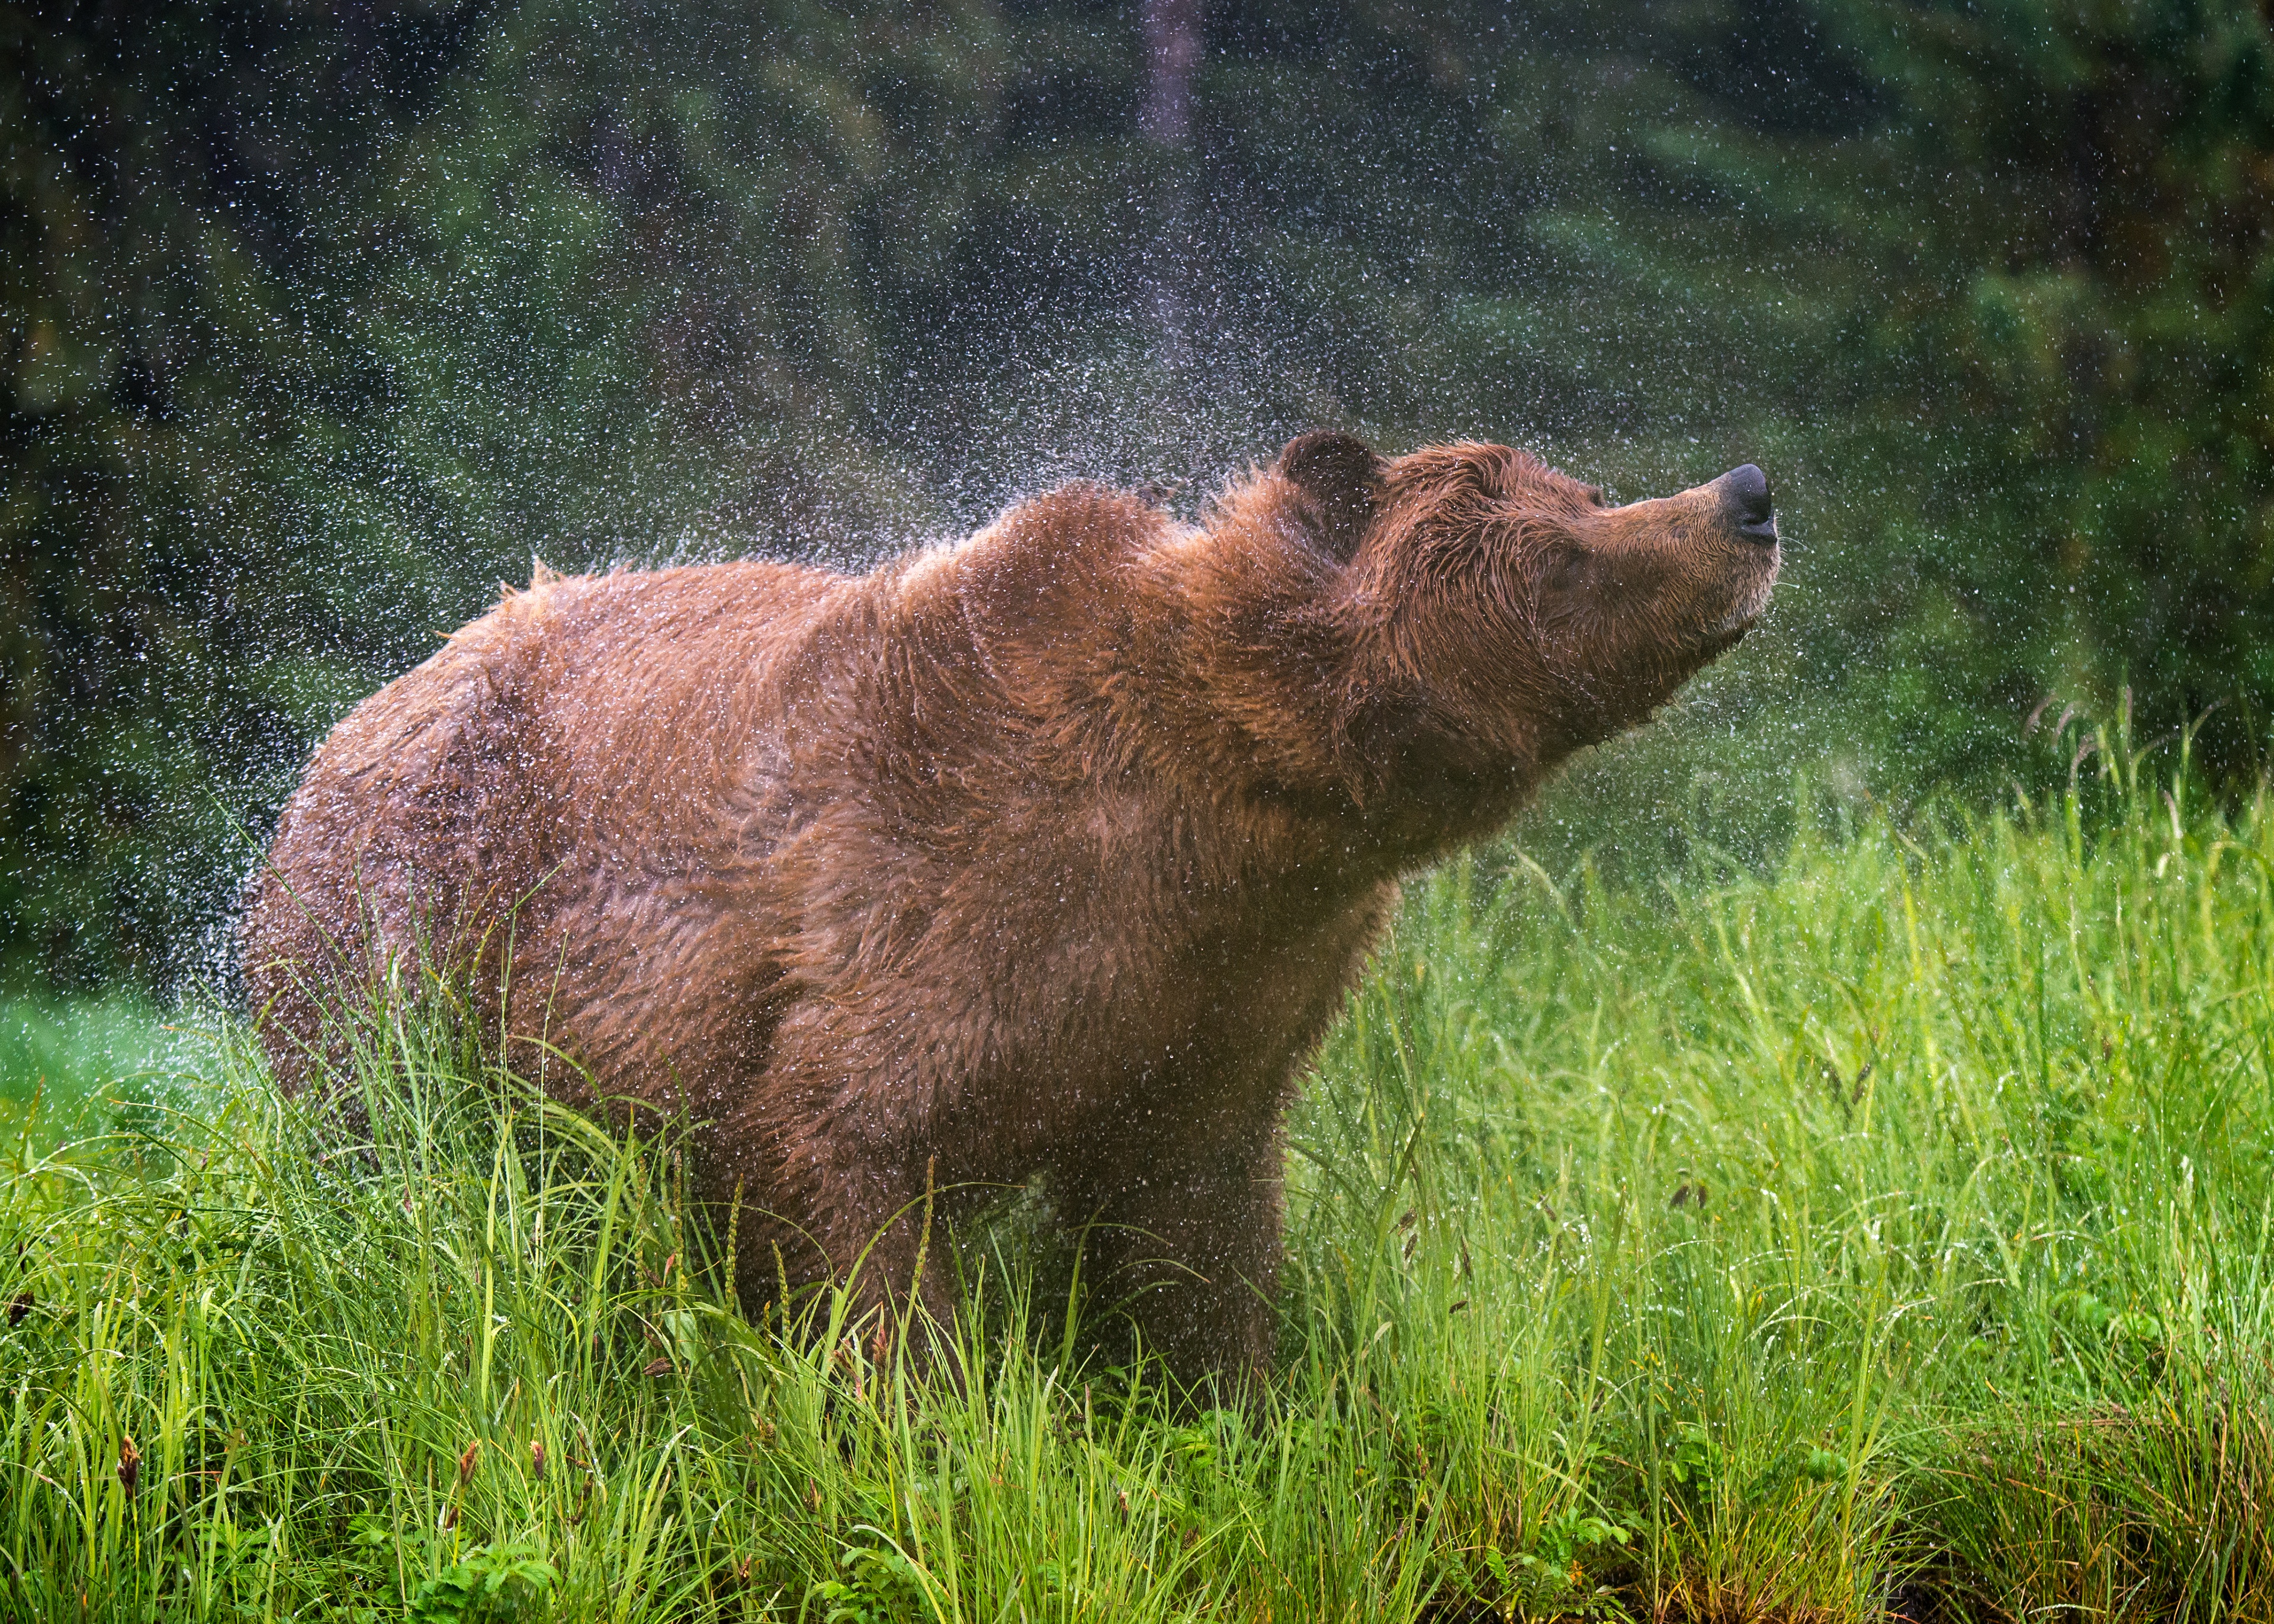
x=1055, y=850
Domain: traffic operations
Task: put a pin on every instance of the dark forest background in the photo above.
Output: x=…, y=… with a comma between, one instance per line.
x=317, y=322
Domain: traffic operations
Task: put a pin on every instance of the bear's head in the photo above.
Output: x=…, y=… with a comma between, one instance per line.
x=1499, y=614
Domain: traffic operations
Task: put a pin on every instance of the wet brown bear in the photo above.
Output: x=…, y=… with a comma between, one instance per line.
x=1057, y=849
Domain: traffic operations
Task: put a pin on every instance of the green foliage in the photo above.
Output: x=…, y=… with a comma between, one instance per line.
x=1550, y=1580
x=504, y=1580
x=73, y=1068
x=882, y=1586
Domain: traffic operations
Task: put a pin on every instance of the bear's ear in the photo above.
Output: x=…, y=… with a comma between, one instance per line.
x=1343, y=478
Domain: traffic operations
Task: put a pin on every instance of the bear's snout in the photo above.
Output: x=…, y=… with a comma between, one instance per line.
x=1744, y=495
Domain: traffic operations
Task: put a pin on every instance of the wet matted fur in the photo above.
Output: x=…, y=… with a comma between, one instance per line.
x=1056, y=850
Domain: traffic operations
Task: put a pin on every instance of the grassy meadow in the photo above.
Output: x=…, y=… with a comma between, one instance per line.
x=1884, y=1232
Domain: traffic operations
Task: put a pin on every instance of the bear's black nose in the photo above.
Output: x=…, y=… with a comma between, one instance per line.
x=1745, y=499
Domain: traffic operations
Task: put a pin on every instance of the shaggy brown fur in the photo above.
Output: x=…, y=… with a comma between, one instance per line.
x=1057, y=849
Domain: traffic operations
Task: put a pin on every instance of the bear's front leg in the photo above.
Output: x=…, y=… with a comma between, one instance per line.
x=831, y=1186
x=873, y=1228
x=1190, y=1247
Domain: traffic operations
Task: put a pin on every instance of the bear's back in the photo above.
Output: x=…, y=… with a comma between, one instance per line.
x=584, y=719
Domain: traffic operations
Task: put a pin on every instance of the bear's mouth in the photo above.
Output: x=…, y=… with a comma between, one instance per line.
x=1745, y=613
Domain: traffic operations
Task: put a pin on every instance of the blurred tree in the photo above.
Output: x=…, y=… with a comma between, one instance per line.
x=2016, y=258
x=318, y=322
x=161, y=170
x=1173, y=48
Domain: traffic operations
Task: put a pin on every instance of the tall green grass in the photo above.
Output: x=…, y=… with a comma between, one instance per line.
x=1890, y=1230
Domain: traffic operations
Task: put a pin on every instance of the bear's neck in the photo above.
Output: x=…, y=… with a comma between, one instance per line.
x=1224, y=665
x=1252, y=670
